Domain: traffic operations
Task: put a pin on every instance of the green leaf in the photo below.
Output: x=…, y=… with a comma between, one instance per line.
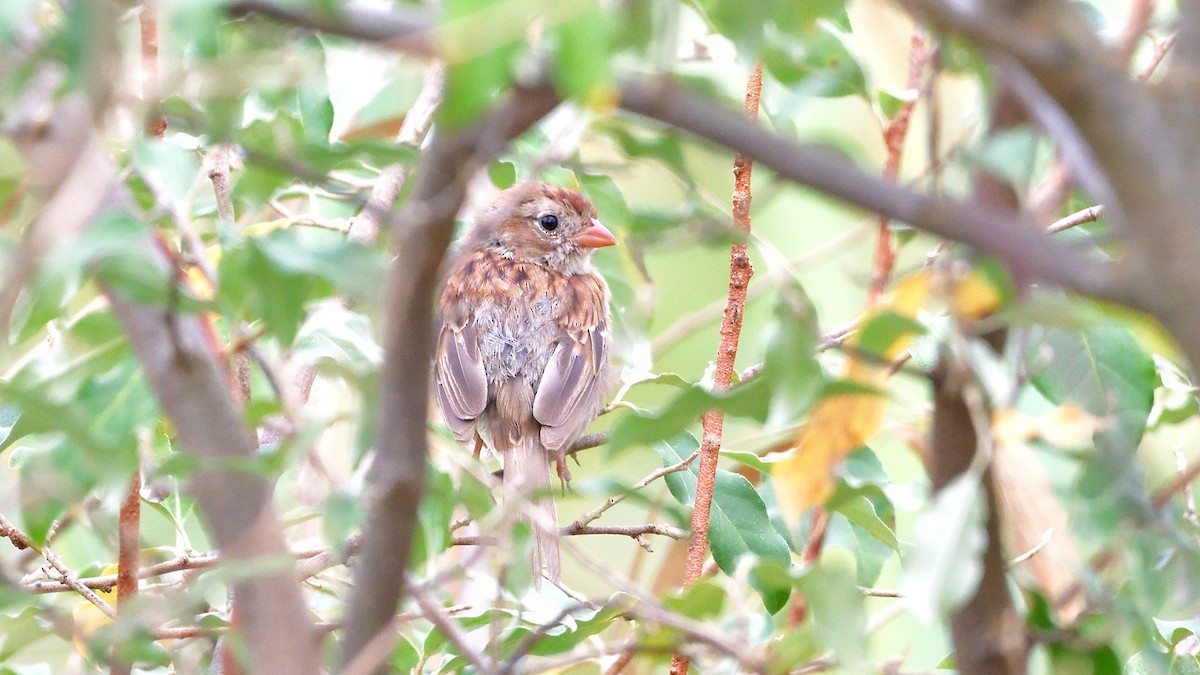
x=1010, y=154
x=405, y=656
x=502, y=174
x=859, y=509
x=945, y=565
x=582, y=68
x=21, y=629
x=274, y=277
x=574, y=629
x=738, y=523
x=172, y=167
x=750, y=400
x=791, y=368
x=820, y=65
x=741, y=22
x=703, y=600
x=1105, y=370
x=883, y=330
x=342, y=515
x=15, y=16
x=836, y=604
x=870, y=554
x=339, y=336
x=472, y=81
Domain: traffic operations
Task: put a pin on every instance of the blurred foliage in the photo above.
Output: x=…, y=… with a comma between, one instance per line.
x=312, y=120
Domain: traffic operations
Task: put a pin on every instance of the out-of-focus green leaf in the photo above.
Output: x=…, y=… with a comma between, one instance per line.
x=334, y=334
x=342, y=514
x=870, y=554
x=1010, y=154
x=405, y=656
x=582, y=69
x=195, y=26
x=1147, y=662
x=945, y=565
x=836, y=604
x=433, y=522
x=791, y=368
x=740, y=22
x=1106, y=371
x=20, y=629
x=472, y=80
x=1175, y=397
x=502, y=174
x=276, y=275
x=43, y=299
x=877, y=335
x=172, y=167
x=665, y=147
x=573, y=630
x=819, y=65
x=703, y=600
x=860, y=510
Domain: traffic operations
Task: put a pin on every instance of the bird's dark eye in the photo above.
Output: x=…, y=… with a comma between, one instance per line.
x=548, y=222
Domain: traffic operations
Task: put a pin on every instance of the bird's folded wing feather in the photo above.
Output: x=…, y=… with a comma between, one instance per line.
x=461, y=383
x=566, y=396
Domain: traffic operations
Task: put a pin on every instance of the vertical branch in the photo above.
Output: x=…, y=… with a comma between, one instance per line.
x=129, y=521
x=740, y=271
x=156, y=124
x=894, y=135
x=987, y=632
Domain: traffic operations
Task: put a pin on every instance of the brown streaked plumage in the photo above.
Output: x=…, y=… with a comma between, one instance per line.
x=522, y=357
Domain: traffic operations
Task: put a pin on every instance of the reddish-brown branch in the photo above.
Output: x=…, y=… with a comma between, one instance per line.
x=156, y=124
x=894, y=135
x=129, y=522
x=812, y=549
x=128, y=550
x=740, y=271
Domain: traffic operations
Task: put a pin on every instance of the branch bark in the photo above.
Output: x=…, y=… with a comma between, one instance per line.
x=1029, y=253
x=740, y=271
x=987, y=632
x=185, y=372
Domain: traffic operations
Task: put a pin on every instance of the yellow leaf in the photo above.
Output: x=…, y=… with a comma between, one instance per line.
x=265, y=227
x=974, y=296
x=842, y=423
x=908, y=294
x=196, y=279
x=838, y=425
x=1066, y=426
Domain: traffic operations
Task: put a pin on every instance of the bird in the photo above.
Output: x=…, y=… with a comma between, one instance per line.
x=522, y=357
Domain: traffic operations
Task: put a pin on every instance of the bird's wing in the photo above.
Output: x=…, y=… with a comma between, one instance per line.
x=568, y=394
x=460, y=380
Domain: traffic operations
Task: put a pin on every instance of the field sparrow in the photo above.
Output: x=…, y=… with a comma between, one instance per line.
x=522, y=358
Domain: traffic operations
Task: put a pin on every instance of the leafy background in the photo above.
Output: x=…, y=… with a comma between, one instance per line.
x=311, y=119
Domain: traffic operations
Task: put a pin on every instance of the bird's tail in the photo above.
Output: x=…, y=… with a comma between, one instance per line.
x=527, y=478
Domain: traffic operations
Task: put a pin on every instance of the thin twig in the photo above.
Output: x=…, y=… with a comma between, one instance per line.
x=22, y=541
x=650, y=478
x=454, y=634
x=894, y=135
x=1160, y=52
x=531, y=640
x=1088, y=215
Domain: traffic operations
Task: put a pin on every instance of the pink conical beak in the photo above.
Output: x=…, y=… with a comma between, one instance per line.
x=596, y=236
